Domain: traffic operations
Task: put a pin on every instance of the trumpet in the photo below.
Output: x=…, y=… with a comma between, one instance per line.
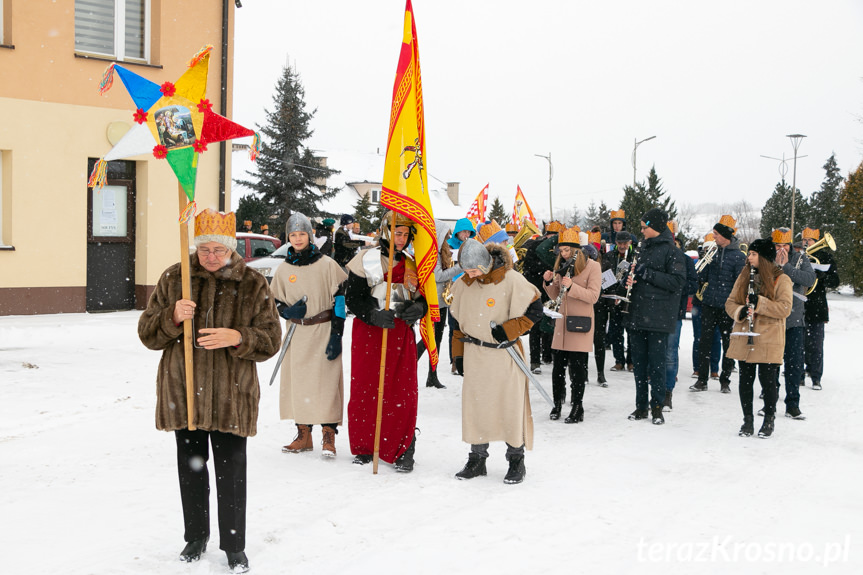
x=826, y=242
x=705, y=260
x=625, y=307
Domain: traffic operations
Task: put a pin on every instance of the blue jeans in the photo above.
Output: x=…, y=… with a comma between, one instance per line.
x=815, y=351
x=648, y=358
x=793, y=365
x=672, y=357
x=715, y=349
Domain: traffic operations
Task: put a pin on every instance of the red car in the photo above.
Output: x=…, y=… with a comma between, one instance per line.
x=254, y=246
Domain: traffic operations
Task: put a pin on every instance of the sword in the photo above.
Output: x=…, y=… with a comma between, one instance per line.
x=521, y=365
x=285, y=347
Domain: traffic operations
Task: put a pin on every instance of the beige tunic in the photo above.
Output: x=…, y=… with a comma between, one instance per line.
x=312, y=390
x=579, y=300
x=495, y=401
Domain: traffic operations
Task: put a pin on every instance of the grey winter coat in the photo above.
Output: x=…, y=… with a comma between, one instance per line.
x=721, y=273
x=442, y=276
x=802, y=279
x=656, y=295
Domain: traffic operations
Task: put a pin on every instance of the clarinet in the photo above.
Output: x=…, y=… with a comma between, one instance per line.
x=631, y=275
x=750, y=305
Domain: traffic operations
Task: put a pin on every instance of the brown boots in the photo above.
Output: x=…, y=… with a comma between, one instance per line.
x=303, y=441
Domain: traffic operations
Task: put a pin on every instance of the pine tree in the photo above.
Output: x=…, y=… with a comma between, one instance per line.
x=824, y=205
x=851, y=200
x=252, y=208
x=776, y=212
x=288, y=178
x=498, y=213
x=604, y=219
x=574, y=218
x=364, y=215
x=639, y=199
x=592, y=216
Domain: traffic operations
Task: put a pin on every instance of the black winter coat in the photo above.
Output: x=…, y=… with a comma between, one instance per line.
x=721, y=273
x=690, y=287
x=533, y=267
x=656, y=295
x=817, y=310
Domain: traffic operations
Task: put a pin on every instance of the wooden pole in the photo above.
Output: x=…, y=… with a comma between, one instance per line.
x=376, y=456
x=187, y=324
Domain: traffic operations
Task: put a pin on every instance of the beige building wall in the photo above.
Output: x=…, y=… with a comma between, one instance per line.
x=52, y=119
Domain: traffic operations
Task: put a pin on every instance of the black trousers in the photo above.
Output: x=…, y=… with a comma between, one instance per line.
x=438, y=337
x=768, y=375
x=540, y=344
x=229, y=457
x=600, y=316
x=577, y=362
x=712, y=317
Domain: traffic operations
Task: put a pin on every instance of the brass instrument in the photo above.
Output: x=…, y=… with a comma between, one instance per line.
x=826, y=242
x=554, y=305
x=527, y=230
x=744, y=248
x=446, y=294
x=709, y=254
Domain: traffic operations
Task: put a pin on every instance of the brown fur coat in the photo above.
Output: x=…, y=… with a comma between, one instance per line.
x=226, y=379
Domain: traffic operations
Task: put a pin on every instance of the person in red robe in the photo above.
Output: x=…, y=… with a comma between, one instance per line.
x=365, y=296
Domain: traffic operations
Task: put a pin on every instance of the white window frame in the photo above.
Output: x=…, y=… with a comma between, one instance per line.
x=120, y=34
x=375, y=196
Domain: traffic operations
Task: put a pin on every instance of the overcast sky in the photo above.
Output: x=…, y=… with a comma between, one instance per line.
x=719, y=84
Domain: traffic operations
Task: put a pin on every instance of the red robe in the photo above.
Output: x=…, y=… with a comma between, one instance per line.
x=399, y=415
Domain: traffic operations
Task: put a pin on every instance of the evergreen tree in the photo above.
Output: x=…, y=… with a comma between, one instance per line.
x=776, y=212
x=574, y=218
x=592, y=216
x=364, y=215
x=254, y=209
x=498, y=213
x=824, y=205
x=288, y=178
x=641, y=198
x=851, y=200
x=604, y=219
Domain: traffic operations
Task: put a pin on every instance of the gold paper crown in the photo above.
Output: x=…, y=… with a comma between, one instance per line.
x=555, y=226
x=265, y=227
x=488, y=230
x=247, y=223
x=810, y=234
x=709, y=238
x=672, y=226
x=728, y=221
x=213, y=226
x=594, y=237
x=570, y=236
x=780, y=237
x=512, y=228
x=618, y=215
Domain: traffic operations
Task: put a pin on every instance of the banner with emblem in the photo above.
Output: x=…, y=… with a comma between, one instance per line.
x=520, y=209
x=405, y=183
x=476, y=211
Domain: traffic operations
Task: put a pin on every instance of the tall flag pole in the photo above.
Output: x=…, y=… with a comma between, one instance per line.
x=405, y=188
x=476, y=211
x=520, y=209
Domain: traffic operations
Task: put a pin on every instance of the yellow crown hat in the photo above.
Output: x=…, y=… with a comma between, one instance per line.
x=594, y=237
x=554, y=227
x=781, y=236
x=512, y=228
x=709, y=238
x=727, y=220
x=810, y=234
x=618, y=215
x=213, y=226
x=570, y=237
x=672, y=225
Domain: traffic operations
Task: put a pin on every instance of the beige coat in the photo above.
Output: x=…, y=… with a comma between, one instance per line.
x=312, y=390
x=495, y=402
x=579, y=300
x=769, y=345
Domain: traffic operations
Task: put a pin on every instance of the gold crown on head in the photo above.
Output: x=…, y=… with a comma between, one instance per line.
x=810, y=234
x=570, y=236
x=672, y=225
x=727, y=220
x=781, y=237
x=555, y=226
x=213, y=226
x=618, y=215
x=594, y=237
x=488, y=230
x=512, y=228
x=709, y=238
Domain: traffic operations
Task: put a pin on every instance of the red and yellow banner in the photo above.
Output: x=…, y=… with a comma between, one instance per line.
x=520, y=209
x=405, y=185
x=476, y=211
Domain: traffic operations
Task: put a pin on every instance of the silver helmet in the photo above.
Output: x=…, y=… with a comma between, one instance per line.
x=473, y=255
x=299, y=223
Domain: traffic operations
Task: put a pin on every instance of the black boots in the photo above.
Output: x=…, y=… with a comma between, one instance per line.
x=767, y=427
x=747, y=429
x=433, y=381
x=666, y=406
x=638, y=414
x=794, y=413
x=193, y=550
x=237, y=562
x=516, y=471
x=474, y=467
x=576, y=415
x=725, y=387
x=600, y=379
x=700, y=385
x=656, y=414
x=555, y=411
x=405, y=462
x=363, y=459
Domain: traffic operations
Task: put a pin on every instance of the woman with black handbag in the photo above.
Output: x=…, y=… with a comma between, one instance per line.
x=573, y=287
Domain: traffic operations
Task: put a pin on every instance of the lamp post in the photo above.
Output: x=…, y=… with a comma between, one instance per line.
x=795, y=143
x=550, y=175
x=633, y=156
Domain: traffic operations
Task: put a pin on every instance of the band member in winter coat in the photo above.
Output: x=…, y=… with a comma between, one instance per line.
x=538, y=259
x=767, y=305
x=236, y=326
x=312, y=390
x=618, y=224
x=366, y=297
x=816, y=312
x=657, y=281
x=672, y=357
x=344, y=248
x=798, y=269
x=581, y=279
x=618, y=261
x=495, y=401
x=720, y=275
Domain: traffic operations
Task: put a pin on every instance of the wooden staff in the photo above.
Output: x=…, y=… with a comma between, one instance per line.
x=376, y=456
x=187, y=323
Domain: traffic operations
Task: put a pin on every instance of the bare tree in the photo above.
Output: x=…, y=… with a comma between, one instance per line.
x=748, y=221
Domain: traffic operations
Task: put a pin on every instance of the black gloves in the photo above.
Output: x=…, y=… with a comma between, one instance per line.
x=334, y=347
x=753, y=300
x=744, y=313
x=459, y=365
x=410, y=312
x=385, y=319
x=499, y=334
x=296, y=311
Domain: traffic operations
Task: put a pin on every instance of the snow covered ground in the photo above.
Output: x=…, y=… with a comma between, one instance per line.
x=89, y=486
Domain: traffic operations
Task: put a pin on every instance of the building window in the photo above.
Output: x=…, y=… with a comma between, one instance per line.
x=2, y=199
x=376, y=196
x=118, y=29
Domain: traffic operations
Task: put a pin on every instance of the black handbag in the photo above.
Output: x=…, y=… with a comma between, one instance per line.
x=578, y=323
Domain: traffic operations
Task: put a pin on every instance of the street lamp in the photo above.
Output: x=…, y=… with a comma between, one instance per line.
x=550, y=175
x=633, y=157
x=795, y=143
